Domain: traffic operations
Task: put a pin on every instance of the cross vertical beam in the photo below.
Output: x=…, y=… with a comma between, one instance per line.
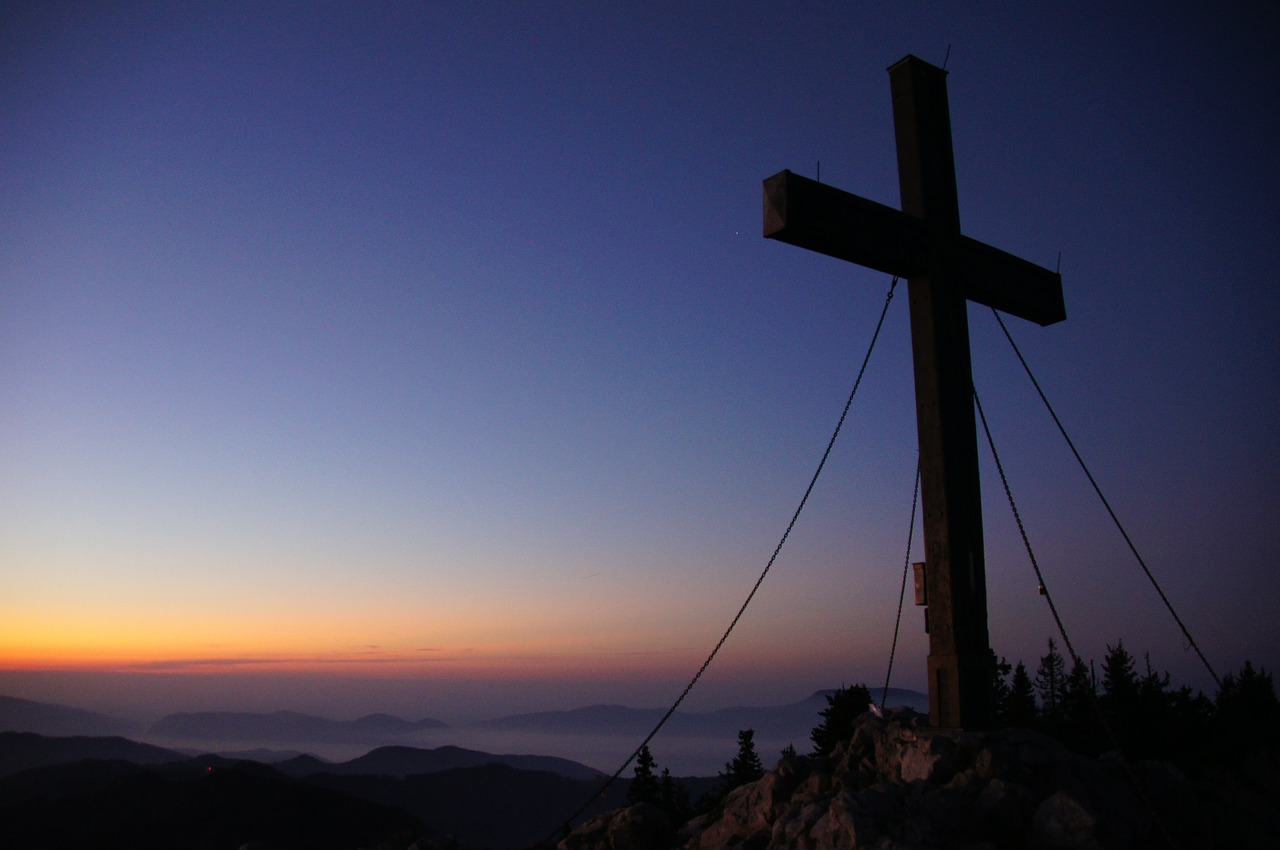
x=959, y=663
x=944, y=269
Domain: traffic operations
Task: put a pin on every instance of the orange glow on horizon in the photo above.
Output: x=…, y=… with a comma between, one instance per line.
x=465, y=664
x=358, y=642
x=152, y=650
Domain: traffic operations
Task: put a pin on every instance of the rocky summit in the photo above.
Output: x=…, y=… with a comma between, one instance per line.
x=896, y=783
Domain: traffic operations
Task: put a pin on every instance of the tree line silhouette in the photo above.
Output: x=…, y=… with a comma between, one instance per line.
x=671, y=795
x=1138, y=712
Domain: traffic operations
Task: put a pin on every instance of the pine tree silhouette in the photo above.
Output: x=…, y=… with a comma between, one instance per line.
x=1051, y=680
x=843, y=707
x=644, y=787
x=745, y=767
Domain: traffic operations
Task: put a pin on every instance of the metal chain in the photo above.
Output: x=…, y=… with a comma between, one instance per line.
x=1066, y=639
x=1026, y=542
x=759, y=581
x=1115, y=519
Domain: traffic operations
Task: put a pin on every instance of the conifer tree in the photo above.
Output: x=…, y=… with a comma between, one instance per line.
x=1120, y=701
x=1000, y=688
x=745, y=767
x=843, y=707
x=1247, y=712
x=1078, y=691
x=1020, y=709
x=1119, y=678
x=674, y=797
x=1051, y=679
x=644, y=787
x=1153, y=690
x=1077, y=726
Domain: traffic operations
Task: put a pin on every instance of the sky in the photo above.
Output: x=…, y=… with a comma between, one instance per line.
x=428, y=357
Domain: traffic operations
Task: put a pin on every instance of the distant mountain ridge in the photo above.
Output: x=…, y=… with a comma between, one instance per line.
x=21, y=715
x=695, y=743
x=79, y=787
x=767, y=721
x=284, y=726
x=211, y=803
x=409, y=761
x=25, y=750
x=21, y=751
x=64, y=792
x=42, y=718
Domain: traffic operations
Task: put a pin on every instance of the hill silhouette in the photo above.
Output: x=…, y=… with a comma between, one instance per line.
x=493, y=806
x=111, y=804
x=210, y=801
x=24, y=750
x=790, y=720
x=407, y=761
x=43, y=718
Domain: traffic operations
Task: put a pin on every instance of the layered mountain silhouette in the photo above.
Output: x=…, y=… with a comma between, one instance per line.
x=77, y=792
x=407, y=761
x=283, y=736
x=42, y=718
x=24, y=750
x=767, y=721
x=21, y=751
x=111, y=791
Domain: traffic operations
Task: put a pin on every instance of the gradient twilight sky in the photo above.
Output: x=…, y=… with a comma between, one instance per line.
x=356, y=356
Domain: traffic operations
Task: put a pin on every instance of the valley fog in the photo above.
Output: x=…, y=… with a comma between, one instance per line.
x=682, y=755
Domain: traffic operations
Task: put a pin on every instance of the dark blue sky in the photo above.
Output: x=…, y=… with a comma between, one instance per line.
x=438, y=342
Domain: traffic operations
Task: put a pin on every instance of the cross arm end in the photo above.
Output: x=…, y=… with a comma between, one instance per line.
x=822, y=218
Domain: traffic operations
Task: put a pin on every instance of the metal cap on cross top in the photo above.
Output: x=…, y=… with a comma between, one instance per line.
x=944, y=269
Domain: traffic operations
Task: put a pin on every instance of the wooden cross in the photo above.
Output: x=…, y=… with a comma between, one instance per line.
x=944, y=269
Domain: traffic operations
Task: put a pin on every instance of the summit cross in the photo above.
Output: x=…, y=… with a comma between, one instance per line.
x=944, y=270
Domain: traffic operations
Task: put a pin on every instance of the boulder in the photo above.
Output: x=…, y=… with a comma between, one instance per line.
x=637, y=827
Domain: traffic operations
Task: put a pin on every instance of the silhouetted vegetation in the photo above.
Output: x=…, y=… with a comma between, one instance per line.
x=664, y=791
x=1247, y=713
x=673, y=798
x=1021, y=707
x=1051, y=680
x=745, y=767
x=644, y=785
x=1139, y=711
x=843, y=707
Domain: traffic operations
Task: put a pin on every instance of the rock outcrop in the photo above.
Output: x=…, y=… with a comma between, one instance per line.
x=898, y=784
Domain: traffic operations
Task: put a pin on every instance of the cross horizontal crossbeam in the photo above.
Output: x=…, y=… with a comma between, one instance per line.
x=822, y=218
